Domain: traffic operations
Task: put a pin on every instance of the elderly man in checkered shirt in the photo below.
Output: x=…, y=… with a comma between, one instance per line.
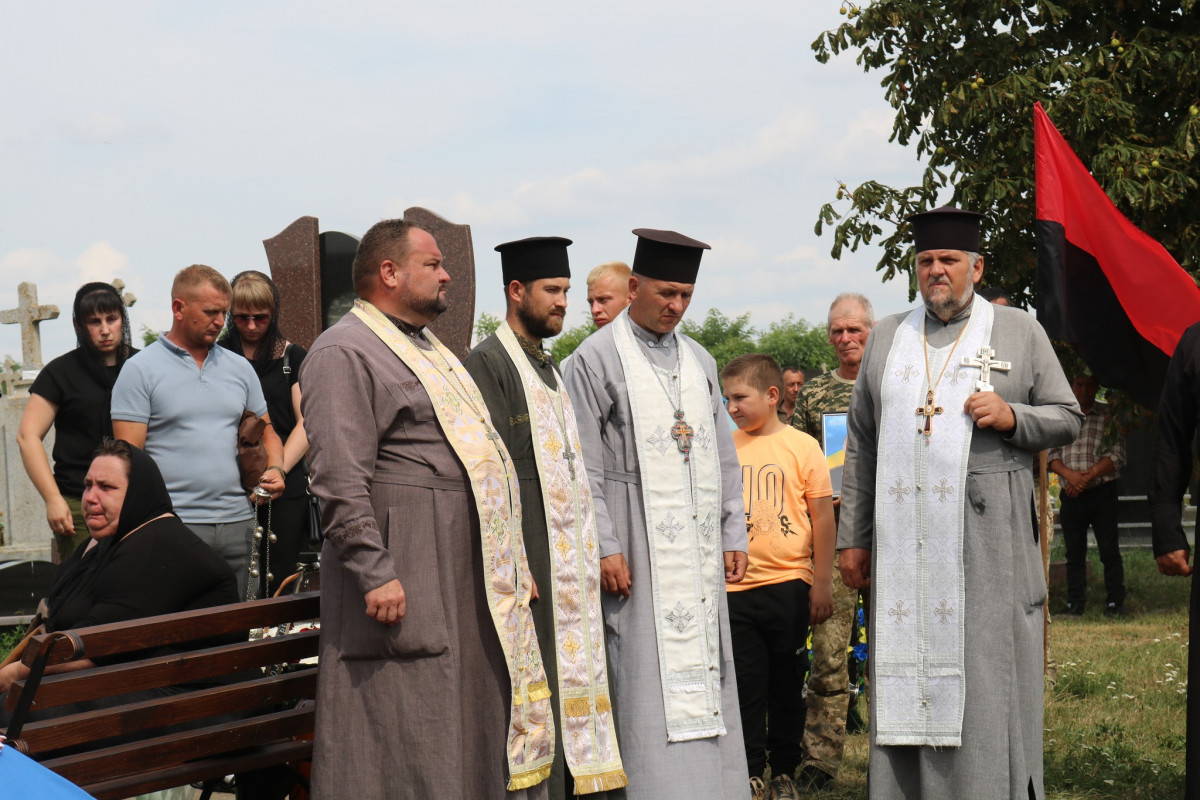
x=1089, y=475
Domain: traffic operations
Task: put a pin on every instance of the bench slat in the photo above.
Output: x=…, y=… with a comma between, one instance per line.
x=204, y=769
x=147, y=715
x=169, y=670
x=185, y=626
x=163, y=751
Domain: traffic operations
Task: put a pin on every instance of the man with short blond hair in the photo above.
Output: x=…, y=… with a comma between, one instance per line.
x=181, y=399
x=608, y=291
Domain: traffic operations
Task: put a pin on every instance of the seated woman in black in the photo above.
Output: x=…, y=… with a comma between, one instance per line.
x=140, y=562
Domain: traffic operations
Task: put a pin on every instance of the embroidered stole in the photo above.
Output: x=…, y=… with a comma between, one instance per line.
x=468, y=429
x=682, y=500
x=920, y=489
x=585, y=710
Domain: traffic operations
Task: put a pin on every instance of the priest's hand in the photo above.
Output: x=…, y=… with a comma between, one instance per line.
x=386, y=604
x=735, y=565
x=855, y=566
x=614, y=575
x=1174, y=563
x=989, y=410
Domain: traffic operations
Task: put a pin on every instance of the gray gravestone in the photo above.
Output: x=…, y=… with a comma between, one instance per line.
x=313, y=271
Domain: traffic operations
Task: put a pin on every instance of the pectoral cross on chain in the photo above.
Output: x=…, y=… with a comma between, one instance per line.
x=986, y=362
x=570, y=456
x=682, y=433
x=927, y=411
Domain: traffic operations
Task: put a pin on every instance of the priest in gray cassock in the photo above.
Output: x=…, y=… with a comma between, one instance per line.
x=667, y=493
x=534, y=417
x=953, y=402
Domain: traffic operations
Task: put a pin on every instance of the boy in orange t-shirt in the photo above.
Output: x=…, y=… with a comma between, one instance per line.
x=785, y=480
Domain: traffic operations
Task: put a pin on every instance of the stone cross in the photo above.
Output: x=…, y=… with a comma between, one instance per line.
x=986, y=362
x=29, y=315
x=128, y=298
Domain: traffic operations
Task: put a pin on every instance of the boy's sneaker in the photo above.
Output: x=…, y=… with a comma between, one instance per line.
x=1074, y=609
x=1114, y=609
x=782, y=788
x=759, y=790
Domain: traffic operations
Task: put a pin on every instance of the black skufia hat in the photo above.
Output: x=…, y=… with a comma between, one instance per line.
x=534, y=258
x=946, y=228
x=667, y=255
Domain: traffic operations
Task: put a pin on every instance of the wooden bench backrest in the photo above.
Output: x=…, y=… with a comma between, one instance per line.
x=229, y=726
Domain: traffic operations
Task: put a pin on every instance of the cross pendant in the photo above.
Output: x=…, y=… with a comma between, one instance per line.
x=682, y=433
x=927, y=411
x=570, y=455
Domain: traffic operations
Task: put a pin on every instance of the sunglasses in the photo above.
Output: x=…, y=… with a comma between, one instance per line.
x=259, y=319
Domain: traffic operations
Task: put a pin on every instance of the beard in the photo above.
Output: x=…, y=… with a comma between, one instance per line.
x=431, y=307
x=539, y=327
x=946, y=308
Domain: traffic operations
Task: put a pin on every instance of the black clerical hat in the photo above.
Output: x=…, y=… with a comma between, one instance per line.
x=946, y=228
x=667, y=255
x=534, y=258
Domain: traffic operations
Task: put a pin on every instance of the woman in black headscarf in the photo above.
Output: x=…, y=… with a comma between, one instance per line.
x=72, y=393
x=141, y=560
x=253, y=332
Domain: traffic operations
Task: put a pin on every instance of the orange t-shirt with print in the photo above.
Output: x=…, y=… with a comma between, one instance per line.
x=780, y=473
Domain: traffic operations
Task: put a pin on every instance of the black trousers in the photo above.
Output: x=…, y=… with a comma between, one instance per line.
x=769, y=626
x=1096, y=507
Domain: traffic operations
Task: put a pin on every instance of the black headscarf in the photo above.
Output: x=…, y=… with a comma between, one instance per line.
x=145, y=499
x=273, y=341
x=95, y=363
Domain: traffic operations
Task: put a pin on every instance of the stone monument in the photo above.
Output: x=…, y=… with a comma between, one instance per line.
x=313, y=273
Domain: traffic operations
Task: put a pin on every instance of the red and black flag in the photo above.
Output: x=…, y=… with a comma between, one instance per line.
x=1104, y=286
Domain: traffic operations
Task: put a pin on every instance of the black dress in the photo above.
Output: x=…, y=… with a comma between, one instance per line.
x=1174, y=435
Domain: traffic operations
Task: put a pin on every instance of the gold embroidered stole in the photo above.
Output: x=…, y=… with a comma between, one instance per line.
x=585, y=711
x=464, y=420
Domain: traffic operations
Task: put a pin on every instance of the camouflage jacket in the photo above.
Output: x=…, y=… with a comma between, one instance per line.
x=824, y=394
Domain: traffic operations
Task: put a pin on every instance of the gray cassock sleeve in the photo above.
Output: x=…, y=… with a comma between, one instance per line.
x=856, y=525
x=593, y=407
x=1050, y=417
x=343, y=442
x=733, y=509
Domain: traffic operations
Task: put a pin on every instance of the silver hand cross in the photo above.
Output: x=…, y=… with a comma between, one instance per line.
x=986, y=362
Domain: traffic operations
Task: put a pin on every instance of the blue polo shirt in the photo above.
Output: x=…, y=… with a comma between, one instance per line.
x=191, y=415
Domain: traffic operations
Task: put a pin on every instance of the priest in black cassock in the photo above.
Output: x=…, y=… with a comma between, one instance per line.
x=1174, y=433
x=523, y=390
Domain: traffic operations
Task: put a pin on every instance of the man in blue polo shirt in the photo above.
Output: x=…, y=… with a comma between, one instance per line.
x=182, y=400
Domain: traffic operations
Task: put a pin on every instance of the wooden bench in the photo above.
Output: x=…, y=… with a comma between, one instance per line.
x=271, y=710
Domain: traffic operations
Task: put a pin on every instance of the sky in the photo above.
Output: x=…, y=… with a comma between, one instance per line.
x=137, y=138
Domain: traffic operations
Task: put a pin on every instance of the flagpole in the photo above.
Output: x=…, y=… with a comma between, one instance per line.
x=1046, y=530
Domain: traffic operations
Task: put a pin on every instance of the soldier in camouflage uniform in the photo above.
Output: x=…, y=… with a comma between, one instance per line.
x=850, y=321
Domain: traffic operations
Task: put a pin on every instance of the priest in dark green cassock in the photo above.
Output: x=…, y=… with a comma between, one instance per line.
x=524, y=393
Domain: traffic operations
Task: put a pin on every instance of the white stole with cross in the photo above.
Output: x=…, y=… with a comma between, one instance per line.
x=585, y=709
x=681, y=495
x=920, y=488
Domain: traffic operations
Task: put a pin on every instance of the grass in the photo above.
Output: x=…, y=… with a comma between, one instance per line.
x=1115, y=695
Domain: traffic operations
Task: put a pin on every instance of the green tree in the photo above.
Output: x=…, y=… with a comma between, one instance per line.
x=486, y=325
x=1121, y=80
x=724, y=338
x=149, y=335
x=565, y=343
x=792, y=341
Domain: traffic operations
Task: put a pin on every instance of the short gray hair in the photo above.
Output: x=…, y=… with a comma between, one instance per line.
x=852, y=297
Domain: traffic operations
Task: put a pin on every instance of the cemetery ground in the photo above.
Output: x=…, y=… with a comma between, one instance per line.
x=1115, y=699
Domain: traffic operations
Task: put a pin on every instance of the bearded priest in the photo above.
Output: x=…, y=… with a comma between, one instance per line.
x=953, y=401
x=523, y=390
